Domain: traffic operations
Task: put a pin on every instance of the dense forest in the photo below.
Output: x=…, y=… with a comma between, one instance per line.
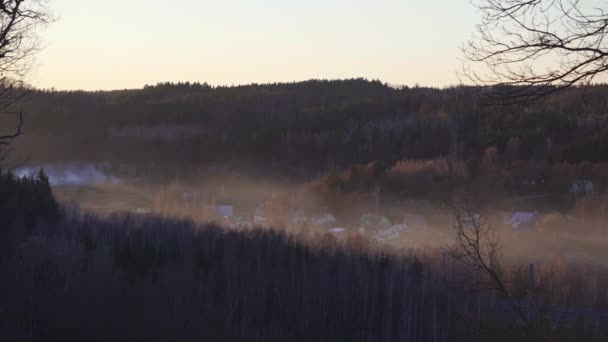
x=316, y=124
x=128, y=278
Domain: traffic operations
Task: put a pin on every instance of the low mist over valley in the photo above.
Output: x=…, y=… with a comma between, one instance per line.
x=280, y=196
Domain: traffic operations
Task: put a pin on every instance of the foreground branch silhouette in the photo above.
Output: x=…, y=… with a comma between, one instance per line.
x=19, y=22
x=528, y=49
x=5, y=139
x=478, y=248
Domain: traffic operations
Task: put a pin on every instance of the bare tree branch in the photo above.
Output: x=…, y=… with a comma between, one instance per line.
x=4, y=139
x=524, y=50
x=20, y=21
x=477, y=247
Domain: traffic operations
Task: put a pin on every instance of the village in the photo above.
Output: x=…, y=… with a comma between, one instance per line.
x=392, y=222
x=239, y=204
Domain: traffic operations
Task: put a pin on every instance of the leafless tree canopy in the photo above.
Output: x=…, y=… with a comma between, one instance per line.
x=477, y=247
x=537, y=47
x=20, y=21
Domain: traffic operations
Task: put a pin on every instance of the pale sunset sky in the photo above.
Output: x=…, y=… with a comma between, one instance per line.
x=116, y=44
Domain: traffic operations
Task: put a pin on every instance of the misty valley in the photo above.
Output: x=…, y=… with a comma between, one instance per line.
x=507, y=228
x=318, y=171
x=532, y=228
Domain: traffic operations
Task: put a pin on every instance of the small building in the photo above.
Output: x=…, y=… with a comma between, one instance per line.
x=582, y=187
x=260, y=221
x=219, y=211
x=372, y=224
x=324, y=219
x=238, y=223
x=191, y=197
x=142, y=211
x=523, y=219
x=299, y=217
x=337, y=230
x=392, y=233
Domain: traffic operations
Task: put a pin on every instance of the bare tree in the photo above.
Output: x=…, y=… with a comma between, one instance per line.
x=20, y=21
x=527, y=49
x=478, y=248
x=5, y=139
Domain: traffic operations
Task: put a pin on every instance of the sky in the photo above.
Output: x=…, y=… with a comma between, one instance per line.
x=117, y=44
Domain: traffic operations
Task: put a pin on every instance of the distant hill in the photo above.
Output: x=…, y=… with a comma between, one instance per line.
x=316, y=124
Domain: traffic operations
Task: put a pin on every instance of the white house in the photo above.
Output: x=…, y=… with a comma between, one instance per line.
x=221, y=211
x=324, y=219
x=522, y=219
x=582, y=187
x=391, y=233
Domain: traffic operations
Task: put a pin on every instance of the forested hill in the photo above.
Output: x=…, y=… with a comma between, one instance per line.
x=320, y=124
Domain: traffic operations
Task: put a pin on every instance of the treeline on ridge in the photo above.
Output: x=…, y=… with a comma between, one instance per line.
x=316, y=124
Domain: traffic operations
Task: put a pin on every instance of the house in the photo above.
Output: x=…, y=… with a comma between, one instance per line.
x=392, y=233
x=523, y=219
x=370, y=223
x=337, y=230
x=324, y=219
x=299, y=217
x=142, y=211
x=582, y=187
x=238, y=222
x=219, y=211
x=259, y=217
x=190, y=196
x=260, y=221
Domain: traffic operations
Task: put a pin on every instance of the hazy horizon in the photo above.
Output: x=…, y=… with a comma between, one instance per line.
x=117, y=45
x=245, y=84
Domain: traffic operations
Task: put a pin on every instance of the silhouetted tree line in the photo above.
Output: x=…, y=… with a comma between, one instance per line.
x=158, y=280
x=319, y=124
x=128, y=278
x=26, y=200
